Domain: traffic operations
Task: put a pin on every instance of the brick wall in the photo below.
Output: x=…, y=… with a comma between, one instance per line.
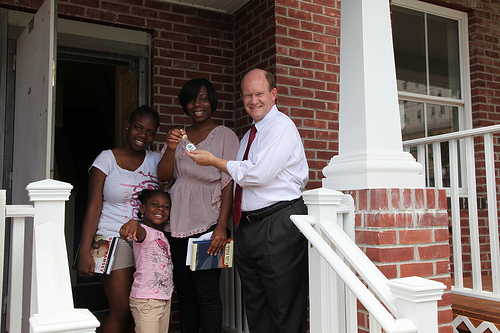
x=307, y=74
x=255, y=47
x=405, y=233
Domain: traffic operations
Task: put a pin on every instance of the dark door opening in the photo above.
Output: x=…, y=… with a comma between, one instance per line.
x=85, y=124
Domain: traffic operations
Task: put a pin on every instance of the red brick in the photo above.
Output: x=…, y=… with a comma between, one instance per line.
x=419, y=198
x=393, y=254
x=407, y=201
x=381, y=220
x=358, y=218
x=361, y=319
x=404, y=220
x=441, y=235
x=376, y=237
x=431, y=219
x=300, y=14
x=434, y=251
x=445, y=316
x=431, y=198
x=415, y=236
x=313, y=46
x=395, y=198
x=312, y=8
x=416, y=269
x=443, y=202
x=379, y=199
x=389, y=271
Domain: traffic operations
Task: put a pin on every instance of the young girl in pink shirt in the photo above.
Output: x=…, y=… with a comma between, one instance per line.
x=153, y=285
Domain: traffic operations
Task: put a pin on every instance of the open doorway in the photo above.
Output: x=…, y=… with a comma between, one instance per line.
x=90, y=113
x=102, y=75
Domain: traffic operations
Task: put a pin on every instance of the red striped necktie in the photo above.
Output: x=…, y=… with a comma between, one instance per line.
x=238, y=189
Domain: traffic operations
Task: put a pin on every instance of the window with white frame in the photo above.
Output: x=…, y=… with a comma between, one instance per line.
x=431, y=55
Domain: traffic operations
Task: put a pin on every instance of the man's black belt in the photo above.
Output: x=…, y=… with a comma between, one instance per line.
x=259, y=214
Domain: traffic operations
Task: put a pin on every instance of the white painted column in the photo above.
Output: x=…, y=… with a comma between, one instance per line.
x=370, y=144
x=52, y=300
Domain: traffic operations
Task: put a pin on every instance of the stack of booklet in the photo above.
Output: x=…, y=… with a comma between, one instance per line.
x=103, y=251
x=197, y=257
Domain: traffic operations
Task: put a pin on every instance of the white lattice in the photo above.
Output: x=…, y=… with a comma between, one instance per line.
x=485, y=325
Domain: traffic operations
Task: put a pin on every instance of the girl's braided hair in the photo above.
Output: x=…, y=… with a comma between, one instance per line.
x=144, y=196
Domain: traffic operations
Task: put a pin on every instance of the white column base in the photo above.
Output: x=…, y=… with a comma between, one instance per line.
x=68, y=321
x=374, y=169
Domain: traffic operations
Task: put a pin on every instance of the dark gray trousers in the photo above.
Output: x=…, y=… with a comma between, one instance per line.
x=271, y=258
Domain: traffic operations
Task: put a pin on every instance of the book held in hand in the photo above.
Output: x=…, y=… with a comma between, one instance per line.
x=103, y=250
x=201, y=260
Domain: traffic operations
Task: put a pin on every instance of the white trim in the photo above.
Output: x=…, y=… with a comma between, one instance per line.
x=430, y=8
x=85, y=29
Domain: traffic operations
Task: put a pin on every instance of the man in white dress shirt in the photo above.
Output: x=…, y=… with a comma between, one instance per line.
x=270, y=252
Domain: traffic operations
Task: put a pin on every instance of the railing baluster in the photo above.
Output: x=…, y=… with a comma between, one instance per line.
x=18, y=214
x=374, y=326
x=438, y=165
x=351, y=312
x=455, y=216
x=16, y=270
x=491, y=190
x=473, y=217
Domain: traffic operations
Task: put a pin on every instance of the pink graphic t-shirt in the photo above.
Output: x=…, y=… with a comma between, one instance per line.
x=153, y=262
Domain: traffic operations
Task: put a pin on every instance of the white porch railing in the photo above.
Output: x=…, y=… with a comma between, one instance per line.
x=46, y=305
x=335, y=262
x=468, y=174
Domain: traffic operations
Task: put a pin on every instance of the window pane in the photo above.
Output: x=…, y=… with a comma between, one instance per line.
x=413, y=122
x=409, y=49
x=437, y=119
x=441, y=119
x=444, y=69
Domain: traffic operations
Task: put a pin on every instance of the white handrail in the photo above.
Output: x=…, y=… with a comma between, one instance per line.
x=453, y=136
x=369, y=301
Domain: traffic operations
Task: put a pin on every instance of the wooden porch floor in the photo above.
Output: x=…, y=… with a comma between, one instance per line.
x=476, y=309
